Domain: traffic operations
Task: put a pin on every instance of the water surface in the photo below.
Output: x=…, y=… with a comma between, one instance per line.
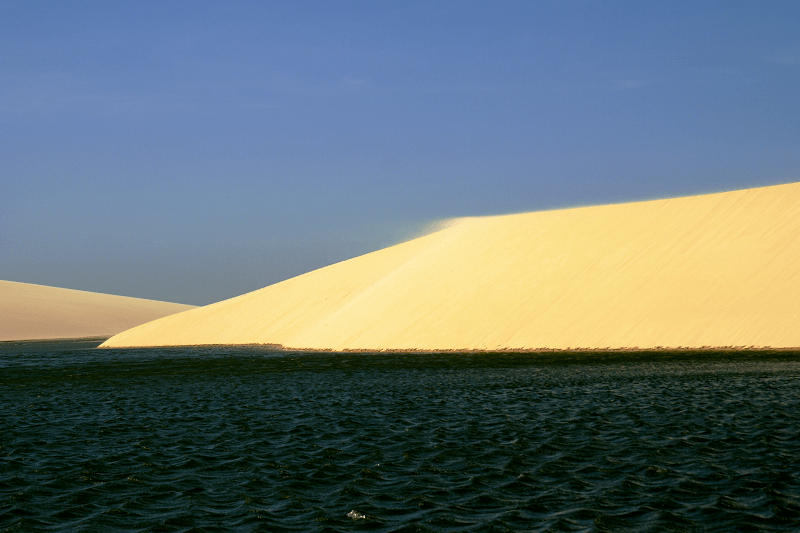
x=220, y=439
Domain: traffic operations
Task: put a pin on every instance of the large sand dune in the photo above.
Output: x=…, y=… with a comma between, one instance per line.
x=713, y=270
x=39, y=312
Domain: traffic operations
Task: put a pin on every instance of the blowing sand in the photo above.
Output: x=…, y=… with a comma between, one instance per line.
x=37, y=312
x=703, y=271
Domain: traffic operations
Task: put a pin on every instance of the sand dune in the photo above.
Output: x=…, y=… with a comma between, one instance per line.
x=39, y=312
x=712, y=270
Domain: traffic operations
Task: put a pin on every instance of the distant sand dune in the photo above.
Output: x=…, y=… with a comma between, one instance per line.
x=704, y=271
x=39, y=312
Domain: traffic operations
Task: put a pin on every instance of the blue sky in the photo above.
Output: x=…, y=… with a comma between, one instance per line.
x=194, y=151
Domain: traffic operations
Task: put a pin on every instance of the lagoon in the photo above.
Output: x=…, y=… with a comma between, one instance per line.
x=249, y=439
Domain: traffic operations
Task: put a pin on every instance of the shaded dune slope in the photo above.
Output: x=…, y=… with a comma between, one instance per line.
x=713, y=270
x=30, y=312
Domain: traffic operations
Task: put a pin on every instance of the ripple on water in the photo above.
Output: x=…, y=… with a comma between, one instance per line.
x=220, y=439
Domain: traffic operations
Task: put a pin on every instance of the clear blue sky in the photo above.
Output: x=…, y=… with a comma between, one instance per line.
x=193, y=151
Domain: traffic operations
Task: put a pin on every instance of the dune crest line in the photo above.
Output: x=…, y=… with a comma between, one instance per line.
x=701, y=271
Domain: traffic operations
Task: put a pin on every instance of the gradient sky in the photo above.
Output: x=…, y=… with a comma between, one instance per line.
x=194, y=151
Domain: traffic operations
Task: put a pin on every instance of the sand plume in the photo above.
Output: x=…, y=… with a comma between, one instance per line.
x=703, y=271
x=38, y=312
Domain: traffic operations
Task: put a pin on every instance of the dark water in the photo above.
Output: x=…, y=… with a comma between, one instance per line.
x=249, y=440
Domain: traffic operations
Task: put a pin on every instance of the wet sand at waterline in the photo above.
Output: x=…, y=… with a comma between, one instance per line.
x=715, y=270
x=30, y=312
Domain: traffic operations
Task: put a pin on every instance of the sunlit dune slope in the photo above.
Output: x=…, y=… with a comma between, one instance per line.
x=713, y=270
x=39, y=312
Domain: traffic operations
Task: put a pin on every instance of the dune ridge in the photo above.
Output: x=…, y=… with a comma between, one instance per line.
x=31, y=312
x=714, y=270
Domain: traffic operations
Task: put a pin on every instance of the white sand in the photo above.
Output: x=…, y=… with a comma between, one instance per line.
x=712, y=270
x=39, y=312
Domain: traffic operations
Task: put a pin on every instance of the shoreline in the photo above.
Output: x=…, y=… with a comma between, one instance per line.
x=658, y=349
x=680, y=350
x=445, y=358
x=46, y=345
x=60, y=339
